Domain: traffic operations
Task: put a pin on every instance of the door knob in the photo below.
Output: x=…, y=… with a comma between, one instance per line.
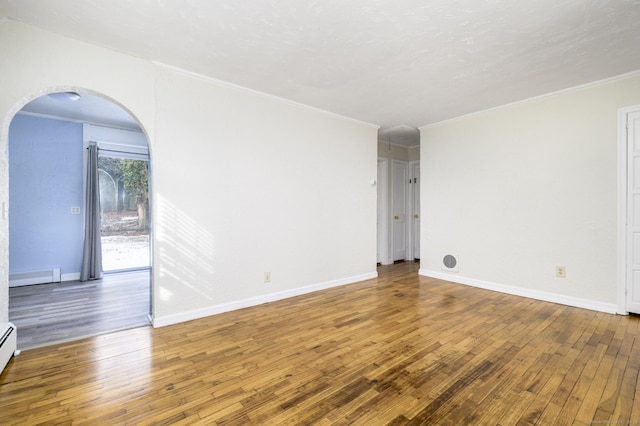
x=396, y=217
x=416, y=216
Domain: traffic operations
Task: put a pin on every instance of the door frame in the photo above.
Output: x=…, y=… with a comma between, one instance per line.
x=121, y=143
x=622, y=207
x=407, y=205
x=413, y=208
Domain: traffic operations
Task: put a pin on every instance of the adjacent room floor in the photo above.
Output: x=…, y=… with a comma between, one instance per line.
x=58, y=312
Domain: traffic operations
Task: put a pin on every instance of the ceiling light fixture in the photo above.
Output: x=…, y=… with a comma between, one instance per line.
x=64, y=96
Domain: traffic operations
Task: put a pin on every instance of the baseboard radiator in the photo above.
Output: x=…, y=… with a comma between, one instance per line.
x=34, y=277
x=8, y=343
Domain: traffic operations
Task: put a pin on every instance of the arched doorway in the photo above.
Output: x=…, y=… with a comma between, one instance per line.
x=47, y=170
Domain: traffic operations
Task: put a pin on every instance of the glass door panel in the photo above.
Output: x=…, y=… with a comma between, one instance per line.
x=124, y=204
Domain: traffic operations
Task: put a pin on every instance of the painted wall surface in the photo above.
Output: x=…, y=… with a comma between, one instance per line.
x=396, y=152
x=386, y=150
x=516, y=191
x=247, y=184
x=414, y=153
x=45, y=171
x=226, y=205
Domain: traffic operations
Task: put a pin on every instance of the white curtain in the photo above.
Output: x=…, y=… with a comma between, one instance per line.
x=92, y=252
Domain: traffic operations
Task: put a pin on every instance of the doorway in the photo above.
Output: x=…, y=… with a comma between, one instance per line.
x=629, y=210
x=46, y=220
x=399, y=208
x=124, y=204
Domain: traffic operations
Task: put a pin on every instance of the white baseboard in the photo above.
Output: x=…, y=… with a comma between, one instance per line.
x=18, y=281
x=255, y=301
x=610, y=308
x=71, y=277
x=43, y=276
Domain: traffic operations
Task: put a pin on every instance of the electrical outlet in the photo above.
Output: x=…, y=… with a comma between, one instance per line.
x=561, y=272
x=267, y=277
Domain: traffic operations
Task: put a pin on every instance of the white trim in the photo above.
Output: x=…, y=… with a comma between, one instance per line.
x=399, y=145
x=111, y=138
x=74, y=276
x=257, y=300
x=562, y=299
x=411, y=240
x=74, y=120
x=535, y=98
x=34, y=277
x=258, y=93
x=622, y=207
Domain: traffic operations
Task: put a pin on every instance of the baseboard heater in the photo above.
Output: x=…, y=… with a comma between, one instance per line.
x=34, y=277
x=8, y=343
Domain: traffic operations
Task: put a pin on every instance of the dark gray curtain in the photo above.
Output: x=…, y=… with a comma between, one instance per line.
x=92, y=254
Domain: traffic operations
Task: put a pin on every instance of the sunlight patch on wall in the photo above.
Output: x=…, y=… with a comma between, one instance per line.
x=184, y=249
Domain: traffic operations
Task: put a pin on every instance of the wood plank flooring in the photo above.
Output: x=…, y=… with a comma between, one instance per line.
x=57, y=312
x=397, y=350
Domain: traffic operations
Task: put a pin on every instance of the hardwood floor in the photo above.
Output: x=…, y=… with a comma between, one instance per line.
x=396, y=350
x=50, y=313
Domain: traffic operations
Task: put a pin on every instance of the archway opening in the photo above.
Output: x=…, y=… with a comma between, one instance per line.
x=47, y=172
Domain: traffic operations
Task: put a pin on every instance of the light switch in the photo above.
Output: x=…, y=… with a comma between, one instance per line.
x=75, y=210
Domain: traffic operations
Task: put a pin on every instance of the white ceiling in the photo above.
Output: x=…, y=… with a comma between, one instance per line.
x=398, y=64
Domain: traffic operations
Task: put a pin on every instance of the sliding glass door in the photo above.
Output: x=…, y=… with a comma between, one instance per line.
x=124, y=203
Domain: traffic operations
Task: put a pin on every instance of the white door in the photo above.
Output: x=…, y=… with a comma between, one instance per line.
x=633, y=212
x=415, y=208
x=399, y=184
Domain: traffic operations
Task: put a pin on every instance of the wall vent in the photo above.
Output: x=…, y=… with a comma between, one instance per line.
x=450, y=262
x=35, y=277
x=7, y=343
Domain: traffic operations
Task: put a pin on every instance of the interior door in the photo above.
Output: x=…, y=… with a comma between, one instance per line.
x=383, y=216
x=399, y=184
x=633, y=212
x=415, y=208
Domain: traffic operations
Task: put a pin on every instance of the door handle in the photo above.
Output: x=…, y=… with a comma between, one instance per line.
x=396, y=217
x=416, y=216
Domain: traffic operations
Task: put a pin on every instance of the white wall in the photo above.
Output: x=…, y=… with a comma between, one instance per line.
x=518, y=190
x=247, y=184
x=397, y=152
x=414, y=153
x=242, y=183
